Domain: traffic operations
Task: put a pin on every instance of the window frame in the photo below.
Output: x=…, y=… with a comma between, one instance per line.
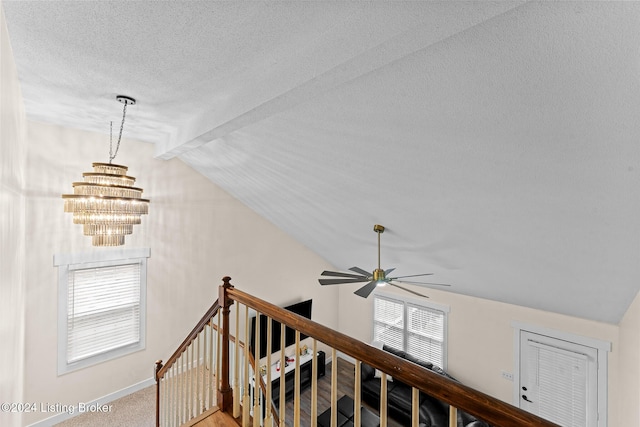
x=408, y=301
x=97, y=259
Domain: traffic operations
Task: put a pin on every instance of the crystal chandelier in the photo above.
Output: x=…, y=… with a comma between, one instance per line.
x=106, y=203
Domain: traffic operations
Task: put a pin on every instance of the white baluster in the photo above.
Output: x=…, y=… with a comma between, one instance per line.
x=246, y=402
x=453, y=416
x=256, y=375
x=383, y=400
x=415, y=406
x=268, y=418
x=282, y=380
x=314, y=384
x=334, y=388
x=357, y=396
x=296, y=384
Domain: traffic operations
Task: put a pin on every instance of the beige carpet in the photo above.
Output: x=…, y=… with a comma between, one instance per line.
x=134, y=410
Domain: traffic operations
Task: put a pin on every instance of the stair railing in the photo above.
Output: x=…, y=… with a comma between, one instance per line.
x=189, y=386
x=186, y=383
x=247, y=402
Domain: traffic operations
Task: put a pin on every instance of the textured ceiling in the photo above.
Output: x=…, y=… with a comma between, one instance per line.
x=497, y=142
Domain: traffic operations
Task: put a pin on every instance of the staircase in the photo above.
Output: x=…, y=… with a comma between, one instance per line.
x=210, y=379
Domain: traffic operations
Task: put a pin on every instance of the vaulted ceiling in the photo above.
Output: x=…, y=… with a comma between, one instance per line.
x=498, y=142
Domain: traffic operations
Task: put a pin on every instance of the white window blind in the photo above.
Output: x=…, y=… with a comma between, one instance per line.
x=388, y=322
x=103, y=310
x=409, y=326
x=101, y=306
x=561, y=380
x=425, y=334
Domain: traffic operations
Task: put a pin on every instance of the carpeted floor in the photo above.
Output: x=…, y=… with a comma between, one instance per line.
x=134, y=410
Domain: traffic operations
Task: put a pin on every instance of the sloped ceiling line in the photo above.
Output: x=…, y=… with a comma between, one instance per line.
x=414, y=40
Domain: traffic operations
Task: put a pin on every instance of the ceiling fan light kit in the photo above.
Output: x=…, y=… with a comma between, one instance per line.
x=379, y=277
x=106, y=203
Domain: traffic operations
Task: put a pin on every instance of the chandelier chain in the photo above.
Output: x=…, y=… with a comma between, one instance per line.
x=113, y=155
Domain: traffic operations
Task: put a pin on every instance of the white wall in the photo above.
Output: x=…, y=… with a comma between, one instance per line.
x=629, y=395
x=12, y=261
x=481, y=341
x=197, y=234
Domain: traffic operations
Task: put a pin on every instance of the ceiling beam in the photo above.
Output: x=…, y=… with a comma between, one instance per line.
x=416, y=39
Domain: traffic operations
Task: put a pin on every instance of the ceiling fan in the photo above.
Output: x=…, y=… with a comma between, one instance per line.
x=377, y=278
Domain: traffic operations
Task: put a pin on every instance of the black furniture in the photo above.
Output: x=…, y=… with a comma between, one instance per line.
x=346, y=413
x=289, y=378
x=433, y=412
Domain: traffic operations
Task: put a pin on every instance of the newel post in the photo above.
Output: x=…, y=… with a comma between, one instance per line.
x=225, y=394
x=158, y=367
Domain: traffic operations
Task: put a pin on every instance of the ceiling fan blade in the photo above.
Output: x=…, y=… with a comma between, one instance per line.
x=341, y=281
x=422, y=283
x=408, y=290
x=366, y=290
x=361, y=271
x=412, y=275
x=340, y=274
x=386, y=272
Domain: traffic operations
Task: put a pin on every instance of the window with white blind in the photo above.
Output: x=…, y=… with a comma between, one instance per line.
x=411, y=325
x=101, y=306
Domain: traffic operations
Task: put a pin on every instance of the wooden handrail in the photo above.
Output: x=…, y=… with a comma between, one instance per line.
x=479, y=404
x=192, y=335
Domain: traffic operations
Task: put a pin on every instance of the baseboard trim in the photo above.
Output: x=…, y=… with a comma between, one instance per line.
x=346, y=357
x=74, y=410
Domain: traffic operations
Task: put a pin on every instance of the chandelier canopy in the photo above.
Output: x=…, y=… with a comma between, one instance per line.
x=106, y=203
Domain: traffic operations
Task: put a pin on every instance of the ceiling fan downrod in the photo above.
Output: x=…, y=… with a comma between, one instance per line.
x=378, y=273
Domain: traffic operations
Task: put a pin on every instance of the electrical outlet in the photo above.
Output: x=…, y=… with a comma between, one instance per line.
x=507, y=375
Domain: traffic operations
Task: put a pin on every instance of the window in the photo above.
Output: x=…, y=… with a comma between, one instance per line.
x=101, y=306
x=416, y=327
